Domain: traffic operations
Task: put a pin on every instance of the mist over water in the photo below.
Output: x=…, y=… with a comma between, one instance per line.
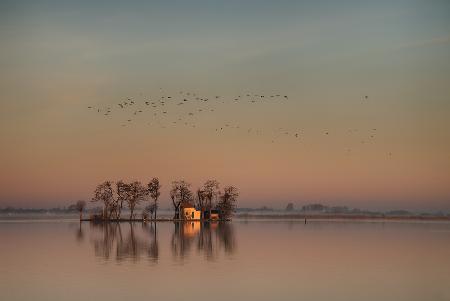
x=251, y=260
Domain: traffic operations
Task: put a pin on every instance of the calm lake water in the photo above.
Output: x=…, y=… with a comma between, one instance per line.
x=254, y=260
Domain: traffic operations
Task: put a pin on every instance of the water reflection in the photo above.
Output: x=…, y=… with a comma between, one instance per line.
x=79, y=234
x=208, y=237
x=153, y=250
x=322, y=260
x=121, y=242
x=133, y=241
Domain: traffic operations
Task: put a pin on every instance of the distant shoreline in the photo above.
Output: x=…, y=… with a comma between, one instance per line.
x=342, y=217
x=271, y=215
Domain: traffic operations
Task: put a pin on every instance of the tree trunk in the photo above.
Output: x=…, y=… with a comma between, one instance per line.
x=120, y=210
x=81, y=215
x=209, y=209
x=177, y=212
x=111, y=213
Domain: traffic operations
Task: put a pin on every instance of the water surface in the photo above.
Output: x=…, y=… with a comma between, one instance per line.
x=60, y=259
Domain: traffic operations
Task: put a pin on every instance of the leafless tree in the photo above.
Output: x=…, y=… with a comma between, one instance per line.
x=154, y=189
x=123, y=192
x=211, y=190
x=180, y=193
x=104, y=193
x=201, y=201
x=137, y=194
x=150, y=209
x=290, y=207
x=176, y=204
x=80, y=205
x=113, y=208
x=227, y=202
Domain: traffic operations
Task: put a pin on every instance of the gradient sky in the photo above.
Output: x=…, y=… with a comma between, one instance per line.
x=58, y=57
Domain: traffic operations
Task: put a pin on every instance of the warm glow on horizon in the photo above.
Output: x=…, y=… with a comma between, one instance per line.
x=388, y=150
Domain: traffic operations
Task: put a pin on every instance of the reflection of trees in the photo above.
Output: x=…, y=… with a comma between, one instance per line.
x=204, y=242
x=225, y=233
x=132, y=241
x=153, y=250
x=181, y=239
x=210, y=238
x=104, y=244
x=113, y=242
x=129, y=247
x=80, y=234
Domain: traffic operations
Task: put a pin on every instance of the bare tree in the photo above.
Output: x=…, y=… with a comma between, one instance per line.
x=211, y=189
x=180, y=193
x=201, y=201
x=150, y=209
x=123, y=192
x=80, y=205
x=176, y=204
x=290, y=207
x=113, y=207
x=154, y=189
x=227, y=202
x=104, y=193
x=137, y=194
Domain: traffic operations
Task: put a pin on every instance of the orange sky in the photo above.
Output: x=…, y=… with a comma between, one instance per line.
x=58, y=60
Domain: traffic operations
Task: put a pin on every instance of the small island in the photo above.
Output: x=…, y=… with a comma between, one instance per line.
x=208, y=203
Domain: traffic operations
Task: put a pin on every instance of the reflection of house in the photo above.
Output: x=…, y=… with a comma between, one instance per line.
x=190, y=229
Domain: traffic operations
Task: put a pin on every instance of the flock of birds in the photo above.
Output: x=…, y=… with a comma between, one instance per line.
x=164, y=112
x=185, y=108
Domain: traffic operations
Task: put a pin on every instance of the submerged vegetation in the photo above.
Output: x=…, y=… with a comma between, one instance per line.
x=209, y=201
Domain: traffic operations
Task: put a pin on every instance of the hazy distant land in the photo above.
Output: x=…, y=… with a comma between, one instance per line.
x=310, y=211
x=319, y=211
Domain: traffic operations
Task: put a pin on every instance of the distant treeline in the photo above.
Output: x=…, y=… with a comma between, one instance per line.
x=69, y=209
x=263, y=208
x=319, y=208
x=309, y=208
x=316, y=208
